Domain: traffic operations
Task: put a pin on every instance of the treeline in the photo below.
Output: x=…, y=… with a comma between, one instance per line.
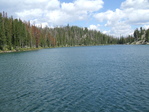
x=75, y=36
x=140, y=36
x=16, y=34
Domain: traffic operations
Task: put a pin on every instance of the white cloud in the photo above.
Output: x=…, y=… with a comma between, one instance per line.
x=57, y=17
x=53, y=12
x=80, y=9
x=53, y=4
x=89, y=5
x=110, y=15
x=121, y=29
x=137, y=16
x=131, y=12
x=136, y=4
x=146, y=26
x=68, y=7
x=30, y=14
x=136, y=11
x=35, y=1
x=94, y=27
x=106, y=32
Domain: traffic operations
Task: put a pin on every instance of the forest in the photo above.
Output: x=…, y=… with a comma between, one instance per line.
x=16, y=35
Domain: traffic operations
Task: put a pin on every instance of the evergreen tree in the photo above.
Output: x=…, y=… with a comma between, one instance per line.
x=136, y=34
x=2, y=33
x=147, y=35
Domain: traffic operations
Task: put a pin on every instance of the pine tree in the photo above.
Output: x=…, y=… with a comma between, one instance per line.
x=2, y=33
x=147, y=35
x=136, y=34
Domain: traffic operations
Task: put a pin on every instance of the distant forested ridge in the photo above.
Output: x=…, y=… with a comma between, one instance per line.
x=74, y=35
x=16, y=34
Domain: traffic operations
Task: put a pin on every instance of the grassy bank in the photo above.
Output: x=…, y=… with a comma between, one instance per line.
x=32, y=49
x=20, y=50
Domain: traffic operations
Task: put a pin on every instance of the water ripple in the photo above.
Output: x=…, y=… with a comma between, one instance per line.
x=77, y=79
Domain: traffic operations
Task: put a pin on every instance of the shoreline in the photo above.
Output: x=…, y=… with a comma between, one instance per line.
x=33, y=49
x=20, y=50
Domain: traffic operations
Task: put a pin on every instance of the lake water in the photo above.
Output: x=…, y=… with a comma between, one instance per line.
x=112, y=78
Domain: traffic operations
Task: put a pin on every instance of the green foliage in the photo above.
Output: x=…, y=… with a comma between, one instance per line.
x=140, y=35
x=2, y=33
x=147, y=35
x=75, y=36
x=15, y=34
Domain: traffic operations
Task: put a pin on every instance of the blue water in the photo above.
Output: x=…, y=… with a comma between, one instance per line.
x=112, y=78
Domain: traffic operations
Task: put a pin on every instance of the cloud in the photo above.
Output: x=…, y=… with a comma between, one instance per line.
x=57, y=17
x=68, y=7
x=106, y=32
x=89, y=5
x=53, y=4
x=121, y=29
x=80, y=9
x=146, y=26
x=30, y=14
x=110, y=15
x=135, y=4
x=56, y=13
x=94, y=27
x=53, y=12
x=131, y=12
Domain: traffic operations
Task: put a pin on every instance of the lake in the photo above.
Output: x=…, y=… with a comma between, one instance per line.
x=112, y=78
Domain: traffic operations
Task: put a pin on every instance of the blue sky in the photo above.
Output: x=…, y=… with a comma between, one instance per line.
x=114, y=17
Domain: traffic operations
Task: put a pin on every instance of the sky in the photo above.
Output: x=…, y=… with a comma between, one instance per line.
x=113, y=17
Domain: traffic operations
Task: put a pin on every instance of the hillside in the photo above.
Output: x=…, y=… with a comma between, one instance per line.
x=16, y=35
x=74, y=36
x=141, y=36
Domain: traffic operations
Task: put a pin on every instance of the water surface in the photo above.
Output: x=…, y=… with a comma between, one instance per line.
x=111, y=78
